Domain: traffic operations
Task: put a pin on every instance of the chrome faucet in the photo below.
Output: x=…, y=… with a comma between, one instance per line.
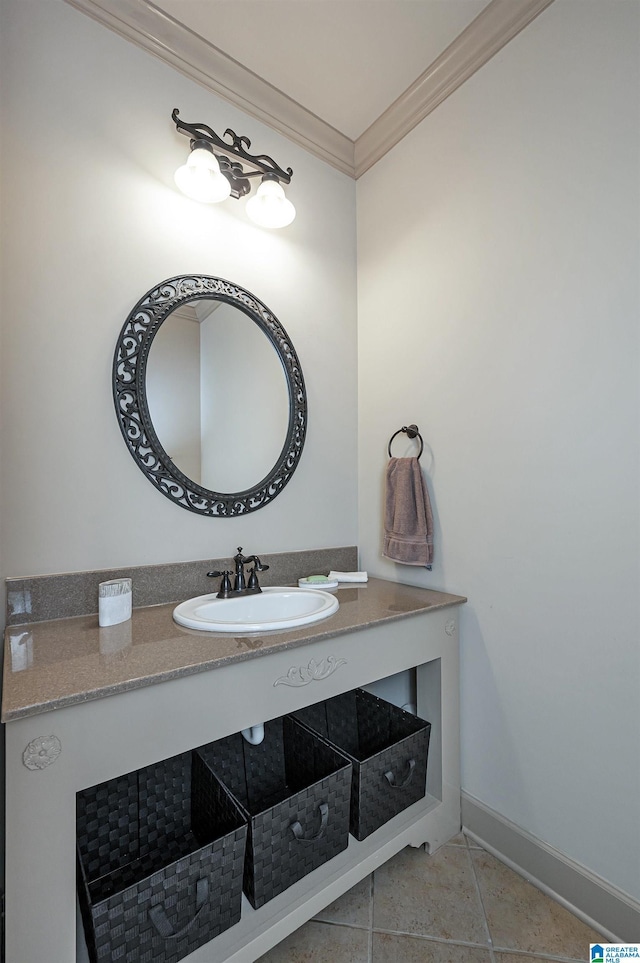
x=240, y=584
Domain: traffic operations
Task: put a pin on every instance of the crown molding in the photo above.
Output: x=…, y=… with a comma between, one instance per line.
x=155, y=31
x=491, y=30
x=141, y=22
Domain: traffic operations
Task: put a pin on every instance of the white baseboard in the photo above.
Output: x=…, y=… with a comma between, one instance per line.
x=598, y=903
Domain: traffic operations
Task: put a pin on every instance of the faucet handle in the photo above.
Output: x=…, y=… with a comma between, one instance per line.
x=225, y=584
x=253, y=584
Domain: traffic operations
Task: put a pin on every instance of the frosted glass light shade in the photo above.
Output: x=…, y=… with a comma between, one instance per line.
x=200, y=178
x=269, y=207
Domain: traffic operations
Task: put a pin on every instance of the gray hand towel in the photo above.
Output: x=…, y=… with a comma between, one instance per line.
x=408, y=519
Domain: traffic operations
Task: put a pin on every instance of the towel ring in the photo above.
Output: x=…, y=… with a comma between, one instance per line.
x=411, y=431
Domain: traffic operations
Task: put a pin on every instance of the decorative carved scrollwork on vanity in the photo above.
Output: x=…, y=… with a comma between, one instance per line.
x=42, y=752
x=313, y=672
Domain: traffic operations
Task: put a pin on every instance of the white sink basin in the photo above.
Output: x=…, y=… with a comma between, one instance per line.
x=273, y=608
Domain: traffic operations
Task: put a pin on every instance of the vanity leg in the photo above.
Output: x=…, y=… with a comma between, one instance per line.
x=40, y=912
x=438, y=699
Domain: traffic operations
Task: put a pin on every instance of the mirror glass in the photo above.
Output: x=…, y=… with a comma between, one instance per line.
x=209, y=395
x=217, y=395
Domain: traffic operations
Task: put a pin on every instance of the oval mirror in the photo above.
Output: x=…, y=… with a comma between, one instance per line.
x=209, y=395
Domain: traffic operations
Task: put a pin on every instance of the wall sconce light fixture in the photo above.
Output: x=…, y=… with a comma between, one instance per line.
x=216, y=170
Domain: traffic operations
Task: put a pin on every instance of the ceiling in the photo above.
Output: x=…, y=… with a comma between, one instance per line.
x=346, y=79
x=344, y=60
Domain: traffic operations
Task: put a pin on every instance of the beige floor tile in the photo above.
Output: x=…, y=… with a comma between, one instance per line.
x=429, y=895
x=472, y=843
x=520, y=917
x=459, y=840
x=463, y=840
x=321, y=943
x=411, y=949
x=354, y=908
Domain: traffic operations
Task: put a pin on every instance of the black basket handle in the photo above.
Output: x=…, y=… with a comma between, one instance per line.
x=296, y=828
x=161, y=922
x=391, y=779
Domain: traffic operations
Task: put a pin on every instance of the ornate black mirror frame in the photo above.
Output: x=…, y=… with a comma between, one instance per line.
x=132, y=408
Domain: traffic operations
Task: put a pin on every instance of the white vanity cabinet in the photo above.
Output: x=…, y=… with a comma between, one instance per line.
x=112, y=727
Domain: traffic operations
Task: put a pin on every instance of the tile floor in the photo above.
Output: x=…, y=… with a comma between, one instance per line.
x=459, y=905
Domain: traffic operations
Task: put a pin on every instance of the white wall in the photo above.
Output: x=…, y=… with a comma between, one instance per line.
x=498, y=264
x=91, y=220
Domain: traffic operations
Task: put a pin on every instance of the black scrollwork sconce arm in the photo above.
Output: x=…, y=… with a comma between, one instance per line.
x=261, y=164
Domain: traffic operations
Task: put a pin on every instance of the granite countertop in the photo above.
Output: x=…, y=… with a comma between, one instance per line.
x=63, y=662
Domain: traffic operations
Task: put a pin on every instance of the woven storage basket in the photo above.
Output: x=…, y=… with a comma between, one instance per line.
x=294, y=790
x=388, y=748
x=160, y=859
